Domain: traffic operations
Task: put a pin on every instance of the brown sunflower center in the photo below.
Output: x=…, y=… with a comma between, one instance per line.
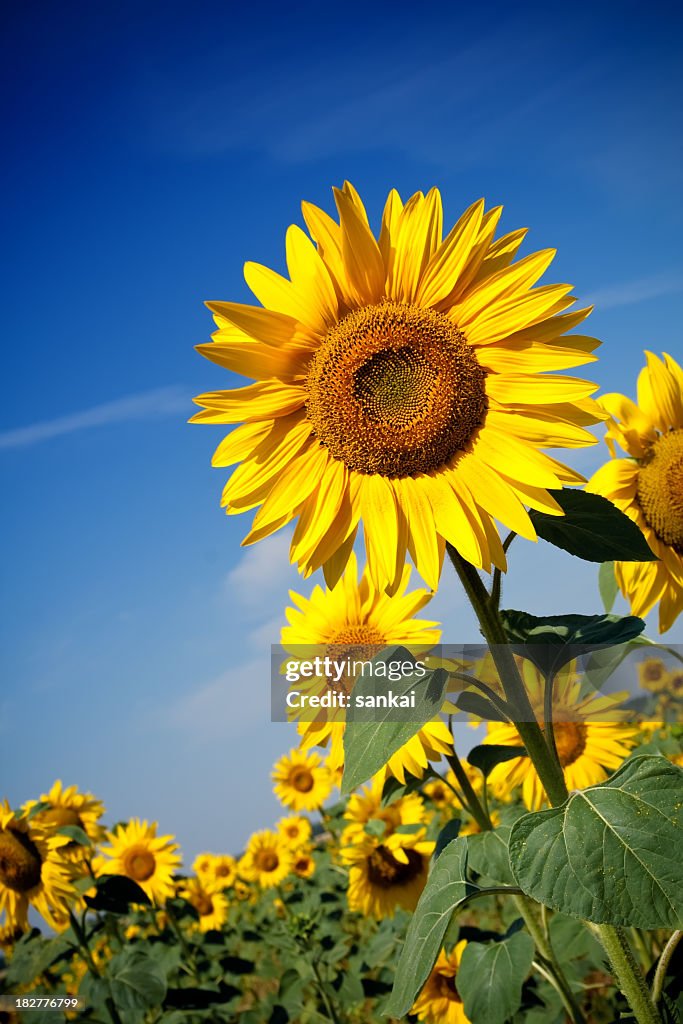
x=223, y=871
x=139, y=863
x=395, y=389
x=59, y=816
x=20, y=861
x=570, y=740
x=660, y=489
x=301, y=779
x=266, y=860
x=385, y=871
x=446, y=988
x=203, y=904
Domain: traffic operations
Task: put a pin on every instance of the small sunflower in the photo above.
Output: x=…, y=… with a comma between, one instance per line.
x=439, y=1002
x=213, y=868
x=67, y=806
x=136, y=851
x=402, y=382
x=387, y=872
x=591, y=737
x=303, y=864
x=267, y=860
x=32, y=873
x=302, y=781
x=295, y=830
x=209, y=902
x=648, y=486
x=652, y=674
x=356, y=620
x=367, y=806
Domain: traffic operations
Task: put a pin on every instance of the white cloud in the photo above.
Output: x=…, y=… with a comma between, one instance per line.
x=263, y=575
x=643, y=288
x=144, y=405
x=224, y=707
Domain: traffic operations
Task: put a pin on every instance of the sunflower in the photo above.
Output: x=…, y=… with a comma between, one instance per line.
x=219, y=868
x=439, y=1001
x=267, y=859
x=356, y=620
x=295, y=830
x=209, y=902
x=652, y=674
x=32, y=873
x=302, y=781
x=67, y=806
x=303, y=864
x=367, y=806
x=387, y=872
x=400, y=382
x=648, y=486
x=136, y=851
x=591, y=737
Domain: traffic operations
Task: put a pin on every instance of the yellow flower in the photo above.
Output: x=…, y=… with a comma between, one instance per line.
x=471, y=828
x=648, y=486
x=388, y=872
x=294, y=830
x=401, y=382
x=367, y=806
x=69, y=807
x=440, y=795
x=136, y=851
x=356, y=620
x=303, y=864
x=302, y=781
x=590, y=735
x=219, y=868
x=32, y=873
x=208, y=901
x=439, y=1001
x=267, y=860
x=652, y=674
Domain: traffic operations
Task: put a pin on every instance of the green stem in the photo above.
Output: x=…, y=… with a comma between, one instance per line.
x=662, y=966
x=544, y=947
x=497, y=574
x=473, y=805
x=329, y=1005
x=92, y=966
x=526, y=724
x=628, y=975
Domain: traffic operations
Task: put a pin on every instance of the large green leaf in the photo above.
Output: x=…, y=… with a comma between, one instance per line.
x=372, y=735
x=489, y=856
x=446, y=888
x=551, y=641
x=491, y=975
x=137, y=982
x=610, y=854
x=592, y=528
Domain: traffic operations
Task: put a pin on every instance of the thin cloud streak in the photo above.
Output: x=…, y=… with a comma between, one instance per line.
x=654, y=286
x=144, y=405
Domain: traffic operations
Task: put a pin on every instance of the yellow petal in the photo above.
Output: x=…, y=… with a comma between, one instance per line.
x=263, y=400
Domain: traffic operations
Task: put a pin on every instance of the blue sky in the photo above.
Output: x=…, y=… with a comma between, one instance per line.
x=149, y=150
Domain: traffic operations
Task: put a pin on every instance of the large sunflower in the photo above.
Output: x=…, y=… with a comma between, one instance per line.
x=648, y=486
x=387, y=872
x=439, y=1002
x=592, y=737
x=135, y=850
x=399, y=381
x=366, y=806
x=302, y=781
x=357, y=619
x=32, y=873
x=64, y=806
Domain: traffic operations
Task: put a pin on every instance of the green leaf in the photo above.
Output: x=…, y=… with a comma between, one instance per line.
x=489, y=856
x=610, y=854
x=74, y=833
x=447, y=834
x=481, y=707
x=372, y=735
x=115, y=893
x=446, y=888
x=607, y=583
x=551, y=641
x=137, y=982
x=592, y=528
x=491, y=975
x=32, y=956
x=602, y=663
x=486, y=756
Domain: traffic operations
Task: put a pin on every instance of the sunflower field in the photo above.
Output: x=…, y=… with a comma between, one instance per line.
x=407, y=390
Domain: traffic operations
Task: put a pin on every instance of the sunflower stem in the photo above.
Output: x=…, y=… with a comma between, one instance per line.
x=473, y=804
x=628, y=974
x=664, y=961
x=525, y=720
x=494, y=596
x=82, y=940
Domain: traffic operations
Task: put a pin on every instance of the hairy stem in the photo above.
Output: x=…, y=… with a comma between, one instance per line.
x=628, y=974
x=662, y=966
